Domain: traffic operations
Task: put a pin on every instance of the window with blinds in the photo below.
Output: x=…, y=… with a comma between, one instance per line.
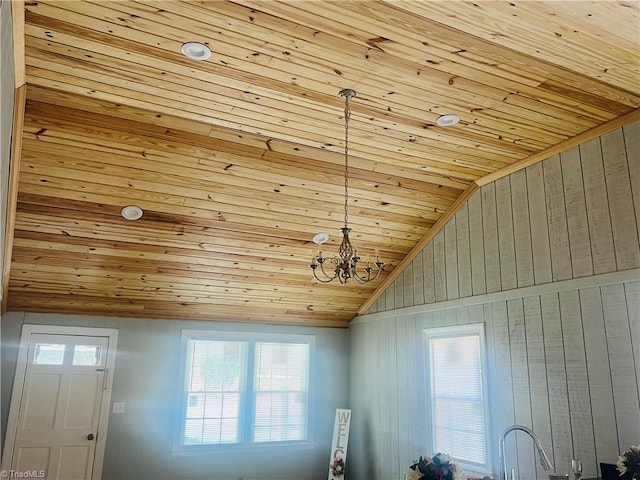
x=244, y=388
x=458, y=402
x=214, y=380
x=280, y=391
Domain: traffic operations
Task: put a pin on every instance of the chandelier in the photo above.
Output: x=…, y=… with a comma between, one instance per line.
x=346, y=264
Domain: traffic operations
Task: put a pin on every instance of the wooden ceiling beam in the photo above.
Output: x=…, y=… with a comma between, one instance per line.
x=12, y=194
x=18, y=26
x=569, y=143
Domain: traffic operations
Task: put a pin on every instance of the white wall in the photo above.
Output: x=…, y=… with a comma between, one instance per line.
x=146, y=378
x=534, y=256
x=6, y=115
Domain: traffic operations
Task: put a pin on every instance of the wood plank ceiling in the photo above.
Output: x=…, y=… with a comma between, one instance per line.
x=237, y=160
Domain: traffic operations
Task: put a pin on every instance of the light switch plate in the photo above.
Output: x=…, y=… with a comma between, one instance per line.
x=118, y=407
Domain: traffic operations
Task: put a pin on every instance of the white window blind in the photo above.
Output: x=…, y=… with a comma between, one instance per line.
x=213, y=386
x=458, y=407
x=280, y=391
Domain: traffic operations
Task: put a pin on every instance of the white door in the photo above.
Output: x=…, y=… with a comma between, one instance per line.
x=63, y=391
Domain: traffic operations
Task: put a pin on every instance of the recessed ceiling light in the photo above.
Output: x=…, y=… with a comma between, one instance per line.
x=321, y=237
x=196, y=51
x=447, y=120
x=131, y=212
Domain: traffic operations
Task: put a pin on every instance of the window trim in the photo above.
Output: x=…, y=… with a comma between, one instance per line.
x=452, y=332
x=247, y=399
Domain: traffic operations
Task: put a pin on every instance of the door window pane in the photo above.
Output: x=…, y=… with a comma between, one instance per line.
x=48, y=354
x=87, y=355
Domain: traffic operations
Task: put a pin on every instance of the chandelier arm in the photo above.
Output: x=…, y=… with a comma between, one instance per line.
x=368, y=278
x=368, y=270
x=360, y=279
x=327, y=278
x=336, y=270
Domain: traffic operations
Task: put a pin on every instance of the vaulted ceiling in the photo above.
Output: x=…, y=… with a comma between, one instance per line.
x=237, y=160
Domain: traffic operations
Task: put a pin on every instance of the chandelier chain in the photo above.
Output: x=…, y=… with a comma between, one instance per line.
x=347, y=115
x=346, y=263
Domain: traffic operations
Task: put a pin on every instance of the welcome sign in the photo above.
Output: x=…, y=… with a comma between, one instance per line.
x=339, y=444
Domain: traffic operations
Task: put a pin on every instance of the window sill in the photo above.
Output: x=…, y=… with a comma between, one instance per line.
x=196, y=450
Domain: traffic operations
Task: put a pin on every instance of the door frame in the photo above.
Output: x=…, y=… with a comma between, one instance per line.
x=18, y=387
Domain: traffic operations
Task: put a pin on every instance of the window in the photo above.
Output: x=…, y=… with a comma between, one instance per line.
x=244, y=388
x=458, y=403
x=214, y=378
x=49, y=354
x=87, y=355
x=280, y=391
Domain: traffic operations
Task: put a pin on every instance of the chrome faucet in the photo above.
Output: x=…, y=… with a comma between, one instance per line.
x=545, y=461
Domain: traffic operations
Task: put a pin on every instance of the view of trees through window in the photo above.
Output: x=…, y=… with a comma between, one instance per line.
x=213, y=390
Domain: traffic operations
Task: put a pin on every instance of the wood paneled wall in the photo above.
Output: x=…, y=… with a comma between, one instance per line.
x=562, y=360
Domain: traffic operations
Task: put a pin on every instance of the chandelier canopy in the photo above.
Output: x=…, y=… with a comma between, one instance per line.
x=347, y=263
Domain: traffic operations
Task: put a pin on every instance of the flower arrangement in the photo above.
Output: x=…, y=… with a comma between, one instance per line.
x=629, y=462
x=440, y=467
x=337, y=467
